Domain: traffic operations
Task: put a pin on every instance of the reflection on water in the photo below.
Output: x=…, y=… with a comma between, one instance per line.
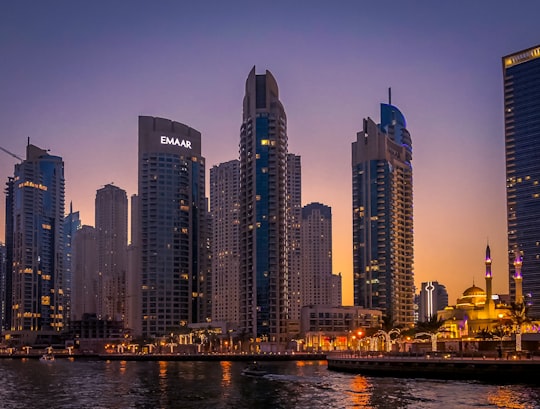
x=304, y=384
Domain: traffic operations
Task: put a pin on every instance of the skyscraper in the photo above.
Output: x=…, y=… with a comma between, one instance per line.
x=37, y=208
x=172, y=224
x=85, y=278
x=317, y=278
x=521, y=72
x=72, y=223
x=225, y=210
x=263, y=256
x=433, y=297
x=383, y=217
x=294, y=234
x=111, y=232
x=3, y=271
x=7, y=278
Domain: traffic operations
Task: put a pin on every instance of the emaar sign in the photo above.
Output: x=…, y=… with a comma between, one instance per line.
x=167, y=140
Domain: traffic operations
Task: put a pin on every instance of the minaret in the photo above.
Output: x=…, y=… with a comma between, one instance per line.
x=518, y=279
x=489, y=306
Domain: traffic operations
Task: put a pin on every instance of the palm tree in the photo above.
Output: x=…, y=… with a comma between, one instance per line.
x=518, y=316
x=432, y=327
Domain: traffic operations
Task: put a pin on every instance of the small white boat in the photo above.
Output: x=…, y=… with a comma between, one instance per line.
x=47, y=358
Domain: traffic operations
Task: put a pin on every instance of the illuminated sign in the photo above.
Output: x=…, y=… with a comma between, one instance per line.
x=166, y=140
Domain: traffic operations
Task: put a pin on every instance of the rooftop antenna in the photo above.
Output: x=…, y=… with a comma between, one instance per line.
x=390, y=96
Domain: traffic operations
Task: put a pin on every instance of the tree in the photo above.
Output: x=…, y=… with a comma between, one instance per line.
x=432, y=325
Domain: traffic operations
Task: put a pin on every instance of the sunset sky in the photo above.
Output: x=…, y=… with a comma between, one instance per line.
x=75, y=76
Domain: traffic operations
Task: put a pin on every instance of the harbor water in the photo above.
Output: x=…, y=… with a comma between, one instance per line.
x=64, y=383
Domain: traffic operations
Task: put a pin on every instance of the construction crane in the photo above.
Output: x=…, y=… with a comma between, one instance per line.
x=12, y=154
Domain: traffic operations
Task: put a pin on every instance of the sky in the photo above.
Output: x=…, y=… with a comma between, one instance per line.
x=75, y=76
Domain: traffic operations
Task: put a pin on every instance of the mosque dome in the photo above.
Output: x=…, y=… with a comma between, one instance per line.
x=473, y=296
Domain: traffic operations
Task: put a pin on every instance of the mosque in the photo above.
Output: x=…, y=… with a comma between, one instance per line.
x=479, y=312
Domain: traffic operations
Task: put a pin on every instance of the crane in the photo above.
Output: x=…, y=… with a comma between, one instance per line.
x=12, y=154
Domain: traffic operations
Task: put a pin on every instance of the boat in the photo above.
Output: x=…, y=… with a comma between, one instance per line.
x=253, y=369
x=47, y=358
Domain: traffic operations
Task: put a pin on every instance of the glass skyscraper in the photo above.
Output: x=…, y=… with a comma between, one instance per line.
x=263, y=256
x=36, y=204
x=172, y=228
x=383, y=217
x=521, y=72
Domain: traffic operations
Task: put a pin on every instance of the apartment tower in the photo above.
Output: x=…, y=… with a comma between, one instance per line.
x=225, y=211
x=37, y=207
x=383, y=217
x=521, y=72
x=263, y=256
x=173, y=222
x=111, y=213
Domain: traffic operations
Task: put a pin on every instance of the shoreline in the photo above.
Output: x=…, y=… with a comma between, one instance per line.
x=176, y=357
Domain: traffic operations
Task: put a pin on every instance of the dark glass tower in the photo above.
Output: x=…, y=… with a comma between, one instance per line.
x=37, y=210
x=172, y=226
x=383, y=217
x=263, y=257
x=521, y=73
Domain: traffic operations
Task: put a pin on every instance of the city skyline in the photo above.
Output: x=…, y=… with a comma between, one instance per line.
x=78, y=91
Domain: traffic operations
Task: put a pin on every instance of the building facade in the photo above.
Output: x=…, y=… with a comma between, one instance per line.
x=521, y=72
x=173, y=221
x=264, y=301
x=383, y=217
x=85, y=278
x=317, y=278
x=294, y=234
x=37, y=273
x=327, y=327
x=111, y=216
x=72, y=223
x=432, y=298
x=225, y=211
x=3, y=271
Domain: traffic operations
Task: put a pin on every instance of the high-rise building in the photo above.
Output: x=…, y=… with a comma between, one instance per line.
x=111, y=211
x=294, y=234
x=317, y=255
x=336, y=297
x=433, y=297
x=7, y=279
x=37, y=206
x=3, y=272
x=133, y=318
x=72, y=223
x=263, y=257
x=521, y=72
x=225, y=211
x=383, y=217
x=173, y=222
x=85, y=278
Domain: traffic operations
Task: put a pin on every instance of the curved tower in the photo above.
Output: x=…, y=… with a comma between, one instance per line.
x=383, y=217
x=263, y=159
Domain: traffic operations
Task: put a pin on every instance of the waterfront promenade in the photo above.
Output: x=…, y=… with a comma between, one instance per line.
x=36, y=354
x=513, y=368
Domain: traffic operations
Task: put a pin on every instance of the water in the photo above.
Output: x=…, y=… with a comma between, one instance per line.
x=31, y=384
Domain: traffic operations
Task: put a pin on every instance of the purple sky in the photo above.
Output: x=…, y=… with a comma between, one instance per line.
x=74, y=76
